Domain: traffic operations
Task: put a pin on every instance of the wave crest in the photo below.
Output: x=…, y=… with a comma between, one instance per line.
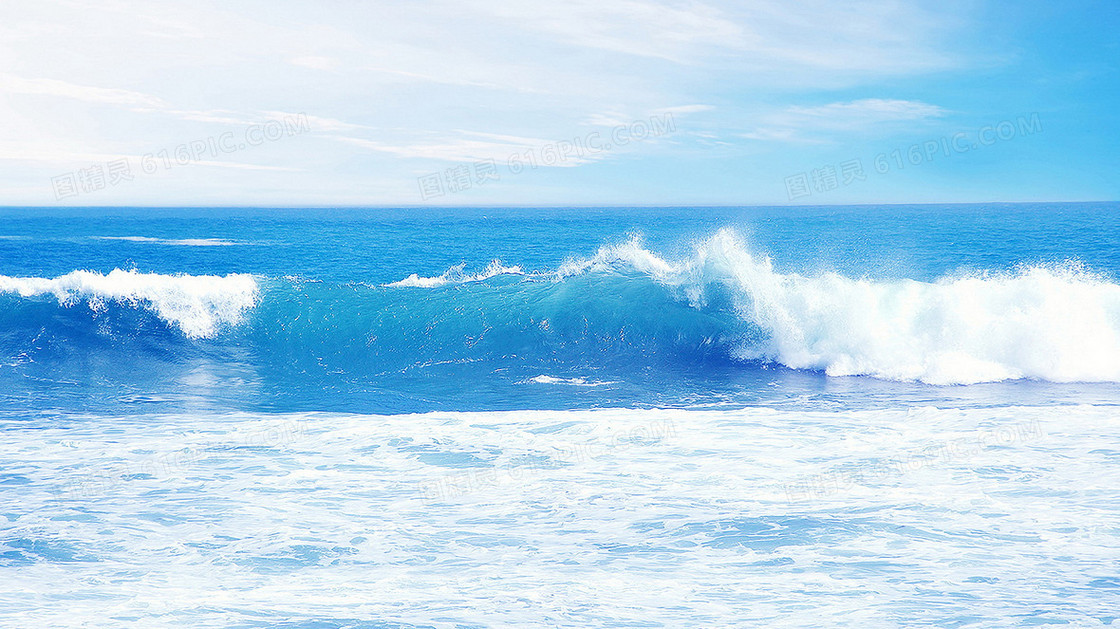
x=455, y=275
x=196, y=304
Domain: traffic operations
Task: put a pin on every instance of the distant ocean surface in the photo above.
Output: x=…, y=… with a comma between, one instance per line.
x=873, y=416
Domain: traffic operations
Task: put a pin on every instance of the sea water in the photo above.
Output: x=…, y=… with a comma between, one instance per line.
x=872, y=416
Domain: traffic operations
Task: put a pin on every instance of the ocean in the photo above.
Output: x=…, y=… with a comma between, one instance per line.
x=318, y=418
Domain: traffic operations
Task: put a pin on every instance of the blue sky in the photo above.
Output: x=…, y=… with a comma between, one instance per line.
x=478, y=102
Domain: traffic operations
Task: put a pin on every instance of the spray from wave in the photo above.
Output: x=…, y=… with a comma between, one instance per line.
x=1060, y=324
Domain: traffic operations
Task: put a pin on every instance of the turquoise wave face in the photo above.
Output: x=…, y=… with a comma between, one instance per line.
x=669, y=317
x=329, y=344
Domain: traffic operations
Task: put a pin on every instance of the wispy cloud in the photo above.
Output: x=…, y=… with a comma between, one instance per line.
x=463, y=146
x=146, y=103
x=90, y=94
x=378, y=83
x=866, y=111
x=318, y=124
x=615, y=117
x=315, y=62
x=60, y=155
x=680, y=110
x=611, y=118
x=800, y=124
x=634, y=27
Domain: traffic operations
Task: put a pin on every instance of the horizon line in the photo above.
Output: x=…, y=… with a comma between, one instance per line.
x=537, y=206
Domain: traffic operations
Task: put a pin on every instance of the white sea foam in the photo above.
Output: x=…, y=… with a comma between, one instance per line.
x=1060, y=323
x=578, y=382
x=182, y=242
x=196, y=304
x=607, y=518
x=455, y=275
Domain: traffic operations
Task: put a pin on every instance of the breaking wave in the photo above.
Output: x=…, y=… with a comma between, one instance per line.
x=631, y=305
x=197, y=305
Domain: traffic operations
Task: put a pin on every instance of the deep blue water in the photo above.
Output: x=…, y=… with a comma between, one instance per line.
x=324, y=330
